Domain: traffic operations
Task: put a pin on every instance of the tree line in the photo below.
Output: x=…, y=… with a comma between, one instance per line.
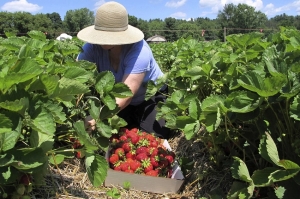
x=233, y=19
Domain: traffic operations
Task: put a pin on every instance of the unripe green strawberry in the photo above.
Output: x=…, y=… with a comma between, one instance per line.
x=21, y=189
x=4, y=195
x=29, y=188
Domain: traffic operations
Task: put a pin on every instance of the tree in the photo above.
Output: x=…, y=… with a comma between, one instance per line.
x=43, y=23
x=57, y=24
x=155, y=27
x=188, y=29
x=170, y=29
x=75, y=20
x=241, y=17
x=22, y=22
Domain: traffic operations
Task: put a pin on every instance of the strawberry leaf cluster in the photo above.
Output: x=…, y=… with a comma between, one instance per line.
x=135, y=151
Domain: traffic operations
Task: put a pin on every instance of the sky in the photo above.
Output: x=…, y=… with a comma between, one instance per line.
x=154, y=9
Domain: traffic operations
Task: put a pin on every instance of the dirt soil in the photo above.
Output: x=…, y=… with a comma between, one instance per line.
x=69, y=179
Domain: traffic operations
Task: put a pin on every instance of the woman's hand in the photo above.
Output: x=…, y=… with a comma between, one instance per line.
x=89, y=124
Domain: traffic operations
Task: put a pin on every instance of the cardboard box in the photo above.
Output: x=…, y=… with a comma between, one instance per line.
x=147, y=183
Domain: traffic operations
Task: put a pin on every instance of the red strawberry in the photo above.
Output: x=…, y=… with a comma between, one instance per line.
x=79, y=154
x=76, y=144
x=133, y=137
x=147, y=165
x=141, y=149
x=154, y=161
x=127, y=146
x=120, y=152
x=25, y=179
x=150, y=137
x=154, y=152
x=134, y=165
x=169, y=158
x=163, y=162
x=172, y=154
x=125, y=166
x=152, y=173
x=153, y=143
x=114, y=158
x=129, y=171
x=123, y=138
x=117, y=168
x=141, y=156
x=134, y=130
x=131, y=154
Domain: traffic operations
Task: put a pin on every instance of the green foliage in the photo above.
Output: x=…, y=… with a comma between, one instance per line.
x=45, y=95
x=230, y=94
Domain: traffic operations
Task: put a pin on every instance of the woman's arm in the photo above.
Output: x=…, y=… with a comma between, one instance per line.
x=133, y=81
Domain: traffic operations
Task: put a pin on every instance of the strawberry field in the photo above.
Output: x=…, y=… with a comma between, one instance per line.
x=234, y=103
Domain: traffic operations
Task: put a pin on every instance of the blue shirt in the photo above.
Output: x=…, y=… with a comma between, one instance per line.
x=135, y=58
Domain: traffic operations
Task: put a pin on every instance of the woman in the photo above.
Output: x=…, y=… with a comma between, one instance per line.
x=116, y=46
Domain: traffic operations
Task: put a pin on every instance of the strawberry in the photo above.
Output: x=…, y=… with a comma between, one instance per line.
x=141, y=149
x=152, y=173
x=163, y=162
x=79, y=154
x=129, y=171
x=150, y=137
x=127, y=146
x=131, y=154
x=117, y=168
x=125, y=166
x=123, y=131
x=134, y=165
x=133, y=137
x=147, y=165
x=123, y=138
x=141, y=156
x=169, y=158
x=153, y=143
x=76, y=144
x=153, y=152
x=134, y=130
x=25, y=179
x=154, y=161
x=114, y=158
x=120, y=152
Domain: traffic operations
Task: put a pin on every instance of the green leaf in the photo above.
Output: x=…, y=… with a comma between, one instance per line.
x=195, y=109
x=6, y=159
x=295, y=108
x=109, y=101
x=263, y=86
x=262, y=178
x=243, y=101
x=240, y=190
x=121, y=90
x=42, y=121
x=68, y=89
x=56, y=159
x=116, y=122
x=104, y=82
x=78, y=74
x=104, y=129
x=42, y=140
x=94, y=111
x=268, y=149
x=50, y=82
x=34, y=34
x=5, y=124
x=96, y=167
x=240, y=171
x=84, y=137
x=191, y=130
x=9, y=139
x=279, y=191
x=19, y=105
x=28, y=158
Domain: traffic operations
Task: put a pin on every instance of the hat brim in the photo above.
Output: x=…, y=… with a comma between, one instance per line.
x=93, y=36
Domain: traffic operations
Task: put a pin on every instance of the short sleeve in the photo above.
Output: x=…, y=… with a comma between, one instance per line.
x=87, y=53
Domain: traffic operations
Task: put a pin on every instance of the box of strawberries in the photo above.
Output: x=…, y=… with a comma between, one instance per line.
x=143, y=162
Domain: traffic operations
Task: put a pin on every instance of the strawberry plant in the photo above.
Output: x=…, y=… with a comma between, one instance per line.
x=135, y=154
x=227, y=95
x=45, y=94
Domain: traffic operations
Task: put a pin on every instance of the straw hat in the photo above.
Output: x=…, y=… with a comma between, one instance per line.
x=111, y=27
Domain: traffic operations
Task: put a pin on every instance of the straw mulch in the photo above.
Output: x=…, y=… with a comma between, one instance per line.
x=69, y=179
